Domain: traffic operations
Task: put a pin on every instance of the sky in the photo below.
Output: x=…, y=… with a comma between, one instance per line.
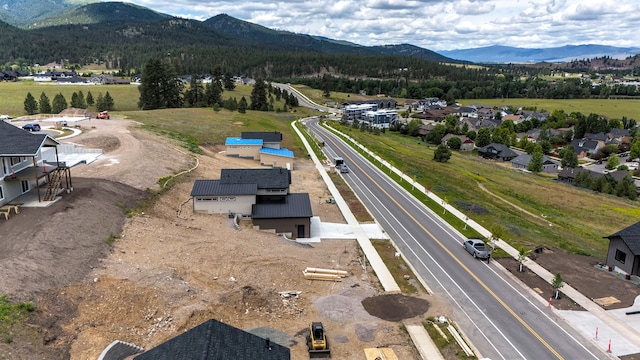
x=433, y=24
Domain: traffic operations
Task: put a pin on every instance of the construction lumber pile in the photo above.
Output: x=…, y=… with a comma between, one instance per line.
x=324, y=274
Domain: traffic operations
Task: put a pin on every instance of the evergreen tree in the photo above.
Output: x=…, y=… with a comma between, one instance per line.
x=74, y=100
x=44, y=104
x=194, y=96
x=108, y=102
x=326, y=85
x=90, y=100
x=243, y=106
x=213, y=93
x=59, y=104
x=442, y=154
x=100, y=102
x=229, y=84
x=82, y=104
x=160, y=88
x=259, y=96
x=30, y=104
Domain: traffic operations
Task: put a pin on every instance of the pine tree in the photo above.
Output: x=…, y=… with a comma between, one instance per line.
x=90, y=100
x=82, y=104
x=442, y=154
x=44, y=104
x=100, y=103
x=229, y=84
x=108, y=102
x=160, y=88
x=59, y=104
x=74, y=100
x=259, y=96
x=242, y=105
x=30, y=104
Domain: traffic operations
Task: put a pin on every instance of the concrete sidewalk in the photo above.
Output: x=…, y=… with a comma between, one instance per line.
x=624, y=333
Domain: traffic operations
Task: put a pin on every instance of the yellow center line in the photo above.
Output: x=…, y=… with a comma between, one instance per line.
x=474, y=276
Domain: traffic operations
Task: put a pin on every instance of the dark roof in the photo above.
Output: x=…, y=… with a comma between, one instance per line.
x=17, y=142
x=584, y=145
x=216, y=340
x=630, y=236
x=294, y=206
x=571, y=173
x=525, y=159
x=215, y=187
x=272, y=178
x=596, y=137
x=619, y=132
x=502, y=150
x=273, y=136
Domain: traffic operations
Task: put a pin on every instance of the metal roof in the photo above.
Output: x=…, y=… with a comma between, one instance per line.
x=293, y=206
x=279, y=152
x=241, y=141
x=215, y=187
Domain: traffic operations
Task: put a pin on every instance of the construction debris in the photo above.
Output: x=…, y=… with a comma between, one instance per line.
x=289, y=294
x=324, y=274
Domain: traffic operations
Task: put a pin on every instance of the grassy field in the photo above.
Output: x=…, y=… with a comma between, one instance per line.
x=574, y=219
x=566, y=217
x=615, y=109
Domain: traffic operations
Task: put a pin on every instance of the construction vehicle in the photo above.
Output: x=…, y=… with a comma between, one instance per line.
x=103, y=115
x=317, y=340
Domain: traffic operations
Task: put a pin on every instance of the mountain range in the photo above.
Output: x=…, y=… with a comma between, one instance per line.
x=37, y=14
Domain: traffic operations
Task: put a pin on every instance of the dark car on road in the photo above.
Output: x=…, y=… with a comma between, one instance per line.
x=32, y=127
x=477, y=248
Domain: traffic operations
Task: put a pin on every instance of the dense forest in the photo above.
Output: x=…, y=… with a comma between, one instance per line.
x=124, y=45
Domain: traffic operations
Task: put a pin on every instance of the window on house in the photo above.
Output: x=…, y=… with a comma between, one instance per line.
x=1, y=193
x=25, y=186
x=621, y=256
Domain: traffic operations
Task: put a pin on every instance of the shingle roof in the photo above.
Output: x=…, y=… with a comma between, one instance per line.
x=216, y=340
x=273, y=136
x=214, y=187
x=17, y=142
x=294, y=206
x=273, y=178
x=630, y=236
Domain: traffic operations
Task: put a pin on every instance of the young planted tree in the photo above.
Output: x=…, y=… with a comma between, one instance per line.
x=522, y=257
x=242, y=105
x=30, y=104
x=557, y=283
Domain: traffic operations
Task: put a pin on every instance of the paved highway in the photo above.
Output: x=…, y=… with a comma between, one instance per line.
x=501, y=318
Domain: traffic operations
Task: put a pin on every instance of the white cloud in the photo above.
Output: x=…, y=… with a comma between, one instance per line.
x=433, y=24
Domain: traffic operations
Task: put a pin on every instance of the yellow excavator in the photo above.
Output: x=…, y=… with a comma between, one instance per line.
x=317, y=340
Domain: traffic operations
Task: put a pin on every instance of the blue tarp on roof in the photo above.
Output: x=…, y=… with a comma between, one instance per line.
x=241, y=141
x=279, y=152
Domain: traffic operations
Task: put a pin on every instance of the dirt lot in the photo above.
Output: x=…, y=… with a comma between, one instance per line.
x=171, y=269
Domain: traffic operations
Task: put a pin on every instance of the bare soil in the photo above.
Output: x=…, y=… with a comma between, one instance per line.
x=170, y=269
